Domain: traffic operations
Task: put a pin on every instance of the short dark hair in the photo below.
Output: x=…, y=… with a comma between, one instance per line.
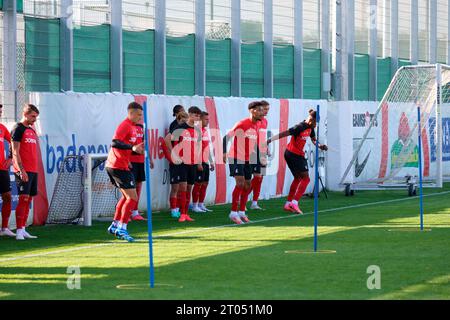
x=177, y=109
x=1, y=106
x=204, y=113
x=135, y=106
x=265, y=103
x=29, y=108
x=254, y=105
x=312, y=113
x=195, y=110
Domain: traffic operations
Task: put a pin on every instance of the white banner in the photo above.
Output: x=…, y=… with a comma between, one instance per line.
x=76, y=124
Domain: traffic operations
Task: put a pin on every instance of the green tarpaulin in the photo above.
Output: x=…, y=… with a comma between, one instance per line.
x=218, y=68
x=312, y=73
x=139, y=61
x=180, y=65
x=252, y=69
x=283, y=71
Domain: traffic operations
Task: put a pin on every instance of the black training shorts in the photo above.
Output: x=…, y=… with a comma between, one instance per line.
x=295, y=162
x=121, y=179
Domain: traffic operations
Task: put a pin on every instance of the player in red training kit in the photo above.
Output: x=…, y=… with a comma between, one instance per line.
x=202, y=179
x=186, y=155
x=24, y=149
x=295, y=158
x=5, y=181
x=241, y=158
x=118, y=163
x=259, y=169
x=174, y=178
x=138, y=170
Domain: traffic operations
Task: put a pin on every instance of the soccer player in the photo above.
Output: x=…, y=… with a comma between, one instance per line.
x=259, y=169
x=124, y=142
x=202, y=179
x=244, y=133
x=25, y=162
x=186, y=155
x=5, y=182
x=138, y=170
x=295, y=158
x=174, y=181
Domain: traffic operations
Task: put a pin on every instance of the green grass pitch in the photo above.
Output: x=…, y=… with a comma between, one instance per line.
x=212, y=259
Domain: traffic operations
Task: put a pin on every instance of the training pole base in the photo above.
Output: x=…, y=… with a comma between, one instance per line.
x=310, y=251
x=410, y=230
x=145, y=286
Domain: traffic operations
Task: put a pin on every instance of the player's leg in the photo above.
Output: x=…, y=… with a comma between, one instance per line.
x=182, y=193
x=191, y=175
x=196, y=191
x=245, y=192
x=26, y=192
x=294, y=163
x=139, y=177
x=5, y=190
x=124, y=180
x=304, y=182
x=117, y=215
x=256, y=186
x=174, y=187
x=203, y=188
x=236, y=171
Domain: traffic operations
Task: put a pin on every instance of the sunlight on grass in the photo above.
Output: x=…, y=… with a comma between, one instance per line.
x=441, y=282
x=4, y=294
x=43, y=278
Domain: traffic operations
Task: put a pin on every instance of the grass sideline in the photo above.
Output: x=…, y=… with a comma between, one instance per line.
x=212, y=259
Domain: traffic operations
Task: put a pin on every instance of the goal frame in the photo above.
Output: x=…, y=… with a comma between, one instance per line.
x=345, y=182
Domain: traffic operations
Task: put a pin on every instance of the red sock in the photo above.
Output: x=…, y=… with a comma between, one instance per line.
x=6, y=213
x=244, y=198
x=188, y=200
x=236, y=197
x=203, y=193
x=119, y=205
x=126, y=210
x=21, y=212
x=256, y=187
x=196, y=192
x=173, y=203
x=138, y=191
x=182, y=200
x=293, y=189
x=301, y=189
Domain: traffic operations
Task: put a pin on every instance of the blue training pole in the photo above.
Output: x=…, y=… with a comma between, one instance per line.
x=420, y=169
x=149, y=197
x=316, y=181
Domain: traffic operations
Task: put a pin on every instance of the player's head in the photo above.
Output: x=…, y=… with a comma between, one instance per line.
x=205, y=119
x=135, y=112
x=266, y=107
x=256, y=110
x=182, y=117
x=311, y=120
x=30, y=114
x=1, y=109
x=194, y=114
x=177, y=109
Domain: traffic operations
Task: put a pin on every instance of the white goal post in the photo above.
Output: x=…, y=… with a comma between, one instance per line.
x=389, y=146
x=83, y=191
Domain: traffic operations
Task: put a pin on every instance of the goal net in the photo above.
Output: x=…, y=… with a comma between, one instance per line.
x=83, y=191
x=388, y=153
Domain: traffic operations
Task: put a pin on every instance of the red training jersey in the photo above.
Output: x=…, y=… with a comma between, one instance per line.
x=119, y=159
x=187, y=143
x=205, y=145
x=136, y=157
x=245, y=139
x=262, y=134
x=4, y=135
x=28, y=140
x=300, y=134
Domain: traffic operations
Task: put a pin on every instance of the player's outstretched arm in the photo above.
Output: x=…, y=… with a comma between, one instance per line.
x=279, y=136
x=323, y=147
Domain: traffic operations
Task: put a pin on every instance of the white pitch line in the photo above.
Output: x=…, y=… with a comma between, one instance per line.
x=218, y=227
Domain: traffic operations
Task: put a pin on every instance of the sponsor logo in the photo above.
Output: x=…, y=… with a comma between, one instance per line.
x=30, y=140
x=361, y=120
x=359, y=167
